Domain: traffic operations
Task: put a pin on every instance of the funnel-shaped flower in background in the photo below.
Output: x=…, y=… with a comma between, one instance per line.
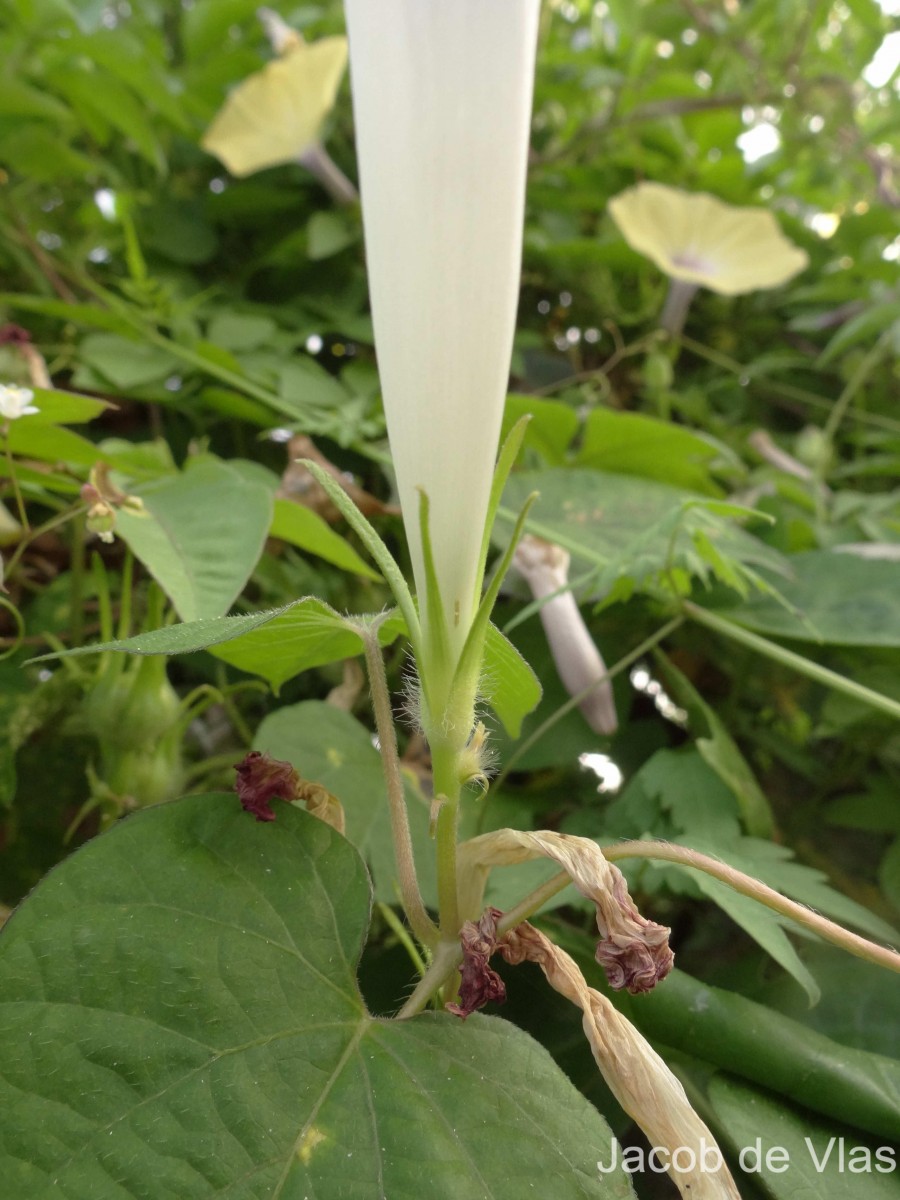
x=581, y=668
x=699, y=241
x=275, y=115
x=442, y=104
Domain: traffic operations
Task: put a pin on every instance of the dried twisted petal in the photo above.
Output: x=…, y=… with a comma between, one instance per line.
x=636, y=1075
x=480, y=984
x=633, y=951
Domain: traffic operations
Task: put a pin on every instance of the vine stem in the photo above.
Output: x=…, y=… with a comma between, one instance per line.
x=883, y=956
x=420, y=922
x=446, y=791
x=803, y=666
x=17, y=491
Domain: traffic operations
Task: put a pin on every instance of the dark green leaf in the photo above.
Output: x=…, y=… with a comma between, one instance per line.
x=180, y=1008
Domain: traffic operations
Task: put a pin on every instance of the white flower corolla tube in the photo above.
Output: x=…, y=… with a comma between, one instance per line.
x=442, y=104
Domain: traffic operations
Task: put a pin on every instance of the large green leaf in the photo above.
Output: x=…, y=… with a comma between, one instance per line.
x=720, y=751
x=635, y=444
x=795, y=1157
x=841, y=599
x=766, y=1047
x=277, y=644
x=201, y=535
x=180, y=1017
x=783, y=1054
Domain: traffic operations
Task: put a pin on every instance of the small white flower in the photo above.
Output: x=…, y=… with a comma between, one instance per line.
x=15, y=401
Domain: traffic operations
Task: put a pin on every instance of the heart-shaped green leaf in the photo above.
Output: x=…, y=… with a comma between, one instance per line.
x=200, y=536
x=179, y=1016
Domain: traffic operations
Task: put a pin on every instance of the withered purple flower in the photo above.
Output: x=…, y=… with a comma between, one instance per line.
x=480, y=984
x=262, y=779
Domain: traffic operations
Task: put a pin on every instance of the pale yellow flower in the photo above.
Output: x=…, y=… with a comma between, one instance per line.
x=275, y=115
x=698, y=239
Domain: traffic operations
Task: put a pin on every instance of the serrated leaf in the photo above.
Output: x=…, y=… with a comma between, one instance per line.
x=180, y=1007
x=201, y=535
x=638, y=529
x=759, y=922
x=720, y=751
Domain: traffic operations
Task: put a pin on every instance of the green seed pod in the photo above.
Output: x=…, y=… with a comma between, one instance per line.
x=657, y=372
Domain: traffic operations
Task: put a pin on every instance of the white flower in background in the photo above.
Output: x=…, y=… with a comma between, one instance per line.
x=442, y=104
x=275, y=115
x=16, y=401
x=699, y=241
x=581, y=668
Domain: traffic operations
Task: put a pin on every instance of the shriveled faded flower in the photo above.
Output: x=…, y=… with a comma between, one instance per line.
x=480, y=984
x=16, y=401
x=262, y=779
x=104, y=500
x=633, y=951
x=700, y=241
x=637, y=1076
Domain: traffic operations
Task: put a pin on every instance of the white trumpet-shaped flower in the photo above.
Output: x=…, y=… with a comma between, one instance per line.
x=442, y=105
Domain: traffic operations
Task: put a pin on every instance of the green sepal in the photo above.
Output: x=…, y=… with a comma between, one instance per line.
x=469, y=667
x=376, y=547
x=509, y=451
x=438, y=650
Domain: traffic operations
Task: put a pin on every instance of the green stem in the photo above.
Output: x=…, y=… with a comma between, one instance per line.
x=854, y=383
x=787, y=390
x=747, y=886
x=402, y=934
x=420, y=922
x=803, y=666
x=53, y=523
x=17, y=492
x=444, y=964
x=376, y=547
x=445, y=774
x=76, y=583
